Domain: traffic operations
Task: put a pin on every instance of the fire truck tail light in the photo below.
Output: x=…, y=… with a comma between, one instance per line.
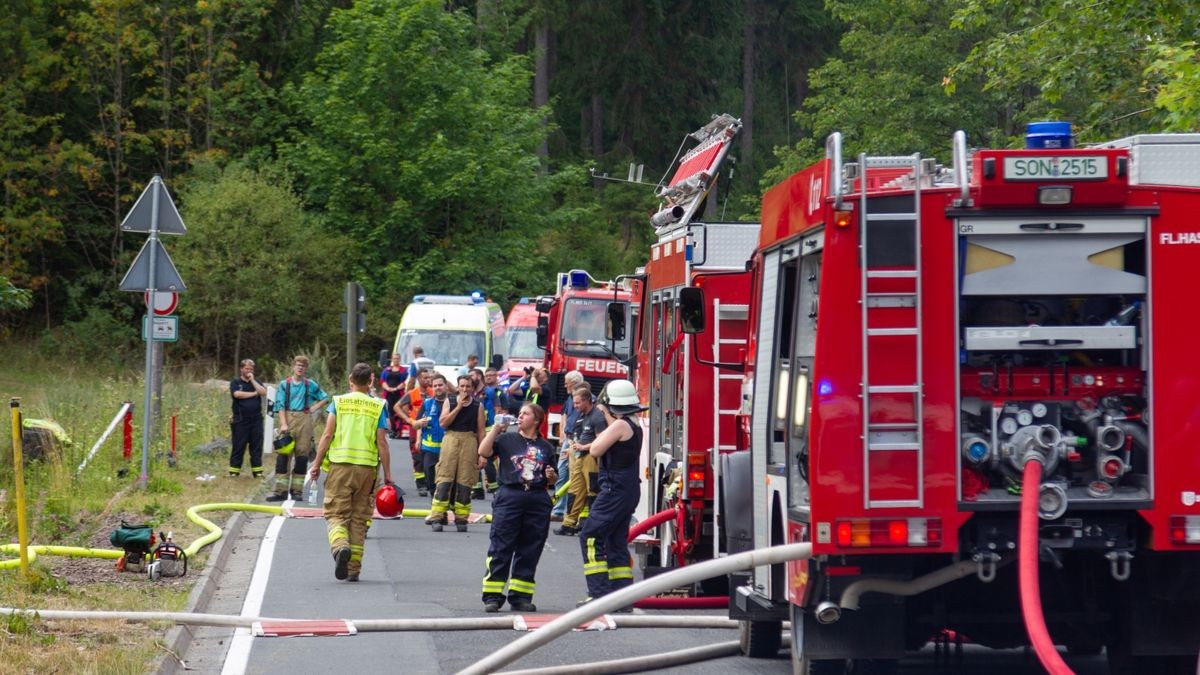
x=889, y=532
x=843, y=218
x=1054, y=195
x=1185, y=529
x=696, y=473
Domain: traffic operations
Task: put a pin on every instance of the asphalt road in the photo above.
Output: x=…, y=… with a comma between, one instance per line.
x=411, y=572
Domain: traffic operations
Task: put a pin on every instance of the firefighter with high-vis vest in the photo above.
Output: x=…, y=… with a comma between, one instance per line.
x=355, y=439
x=603, y=541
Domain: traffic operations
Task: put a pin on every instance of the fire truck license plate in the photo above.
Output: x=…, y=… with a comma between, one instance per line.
x=1071, y=167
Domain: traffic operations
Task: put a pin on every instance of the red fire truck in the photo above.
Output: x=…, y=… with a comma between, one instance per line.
x=572, y=330
x=968, y=388
x=693, y=405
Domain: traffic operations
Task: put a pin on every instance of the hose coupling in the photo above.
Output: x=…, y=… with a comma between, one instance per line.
x=827, y=612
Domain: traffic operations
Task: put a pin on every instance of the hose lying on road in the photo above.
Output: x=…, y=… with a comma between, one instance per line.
x=214, y=533
x=361, y=625
x=637, y=664
x=625, y=596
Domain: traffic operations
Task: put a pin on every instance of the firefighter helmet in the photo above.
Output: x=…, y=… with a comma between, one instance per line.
x=284, y=444
x=389, y=501
x=621, y=398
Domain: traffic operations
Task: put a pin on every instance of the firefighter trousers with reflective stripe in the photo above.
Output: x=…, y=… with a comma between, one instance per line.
x=349, y=505
x=605, y=535
x=457, y=470
x=582, y=488
x=520, y=523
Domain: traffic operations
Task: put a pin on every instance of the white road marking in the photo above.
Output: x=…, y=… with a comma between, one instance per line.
x=238, y=655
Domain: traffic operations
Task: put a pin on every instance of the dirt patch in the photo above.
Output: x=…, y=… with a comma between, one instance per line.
x=79, y=571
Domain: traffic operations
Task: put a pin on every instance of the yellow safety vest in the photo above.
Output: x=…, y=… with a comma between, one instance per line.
x=357, y=418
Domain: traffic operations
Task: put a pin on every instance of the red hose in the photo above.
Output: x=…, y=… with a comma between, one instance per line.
x=653, y=521
x=1027, y=567
x=700, y=602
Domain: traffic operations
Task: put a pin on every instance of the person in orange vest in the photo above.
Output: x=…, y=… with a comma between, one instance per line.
x=404, y=408
x=355, y=440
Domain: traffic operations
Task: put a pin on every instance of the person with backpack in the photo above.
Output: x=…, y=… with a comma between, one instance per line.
x=296, y=399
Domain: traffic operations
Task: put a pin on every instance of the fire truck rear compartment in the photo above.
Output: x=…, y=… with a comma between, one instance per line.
x=1052, y=321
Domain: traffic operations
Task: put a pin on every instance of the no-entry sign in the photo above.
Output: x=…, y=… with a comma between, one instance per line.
x=165, y=302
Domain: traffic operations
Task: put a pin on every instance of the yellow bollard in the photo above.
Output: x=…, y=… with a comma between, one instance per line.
x=19, y=479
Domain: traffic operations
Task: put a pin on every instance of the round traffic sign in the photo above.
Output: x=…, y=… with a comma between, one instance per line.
x=165, y=302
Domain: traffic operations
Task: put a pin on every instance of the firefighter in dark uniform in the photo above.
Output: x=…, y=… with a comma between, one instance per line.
x=603, y=541
x=247, y=422
x=520, y=511
x=355, y=439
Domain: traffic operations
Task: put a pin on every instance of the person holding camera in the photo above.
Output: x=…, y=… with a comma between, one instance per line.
x=457, y=469
x=246, y=425
x=521, y=510
x=529, y=389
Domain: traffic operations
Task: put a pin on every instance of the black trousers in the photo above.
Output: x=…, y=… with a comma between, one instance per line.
x=247, y=431
x=520, y=523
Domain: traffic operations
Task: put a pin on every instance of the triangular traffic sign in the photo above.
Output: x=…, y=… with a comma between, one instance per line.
x=166, y=277
x=138, y=218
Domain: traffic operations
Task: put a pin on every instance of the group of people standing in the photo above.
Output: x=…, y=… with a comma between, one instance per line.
x=456, y=431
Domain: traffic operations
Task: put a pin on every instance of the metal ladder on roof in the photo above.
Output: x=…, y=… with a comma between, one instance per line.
x=893, y=297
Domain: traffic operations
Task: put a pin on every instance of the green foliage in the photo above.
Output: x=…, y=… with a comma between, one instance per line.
x=1087, y=62
x=886, y=89
x=1178, y=70
x=13, y=298
x=421, y=149
x=261, y=272
x=163, y=485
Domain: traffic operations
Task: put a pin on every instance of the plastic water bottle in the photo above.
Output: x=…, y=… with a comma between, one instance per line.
x=312, y=491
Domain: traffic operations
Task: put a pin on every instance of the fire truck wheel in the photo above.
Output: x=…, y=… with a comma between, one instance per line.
x=760, y=639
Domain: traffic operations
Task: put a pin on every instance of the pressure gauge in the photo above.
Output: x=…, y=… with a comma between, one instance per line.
x=1024, y=418
x=1038, y=409
x=1008, y=425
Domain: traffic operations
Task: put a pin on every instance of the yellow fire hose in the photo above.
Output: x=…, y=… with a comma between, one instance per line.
x=214, y=533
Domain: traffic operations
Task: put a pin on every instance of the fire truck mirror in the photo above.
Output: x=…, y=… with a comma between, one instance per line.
x=497, y=361
x=543, y=327
x=615, y=330
x=691, y=310
x=543, y=305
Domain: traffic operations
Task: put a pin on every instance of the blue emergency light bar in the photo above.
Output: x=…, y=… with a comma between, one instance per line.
x=1048, y=135
x=578, y=278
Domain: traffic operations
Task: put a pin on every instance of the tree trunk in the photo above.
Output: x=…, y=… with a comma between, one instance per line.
x=167, y=55
x=749, y=22
x=597, y=125
x=541, y=79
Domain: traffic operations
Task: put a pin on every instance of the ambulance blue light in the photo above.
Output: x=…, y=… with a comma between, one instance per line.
x=1048, y=135
x=477, y=297
x=578, y=279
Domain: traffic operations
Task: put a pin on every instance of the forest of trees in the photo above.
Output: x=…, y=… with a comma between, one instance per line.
x=441, y=146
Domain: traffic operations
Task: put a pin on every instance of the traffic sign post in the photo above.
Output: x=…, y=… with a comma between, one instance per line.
x=154, y=212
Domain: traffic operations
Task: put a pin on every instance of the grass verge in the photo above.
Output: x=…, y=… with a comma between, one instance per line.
x=81, y=509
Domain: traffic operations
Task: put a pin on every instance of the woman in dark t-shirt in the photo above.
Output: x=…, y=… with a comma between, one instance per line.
x=521, y=510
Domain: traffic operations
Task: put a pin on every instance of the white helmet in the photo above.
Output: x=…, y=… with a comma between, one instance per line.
x=621, y=398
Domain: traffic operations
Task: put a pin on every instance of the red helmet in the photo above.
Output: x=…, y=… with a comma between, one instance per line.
x=389, y=501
